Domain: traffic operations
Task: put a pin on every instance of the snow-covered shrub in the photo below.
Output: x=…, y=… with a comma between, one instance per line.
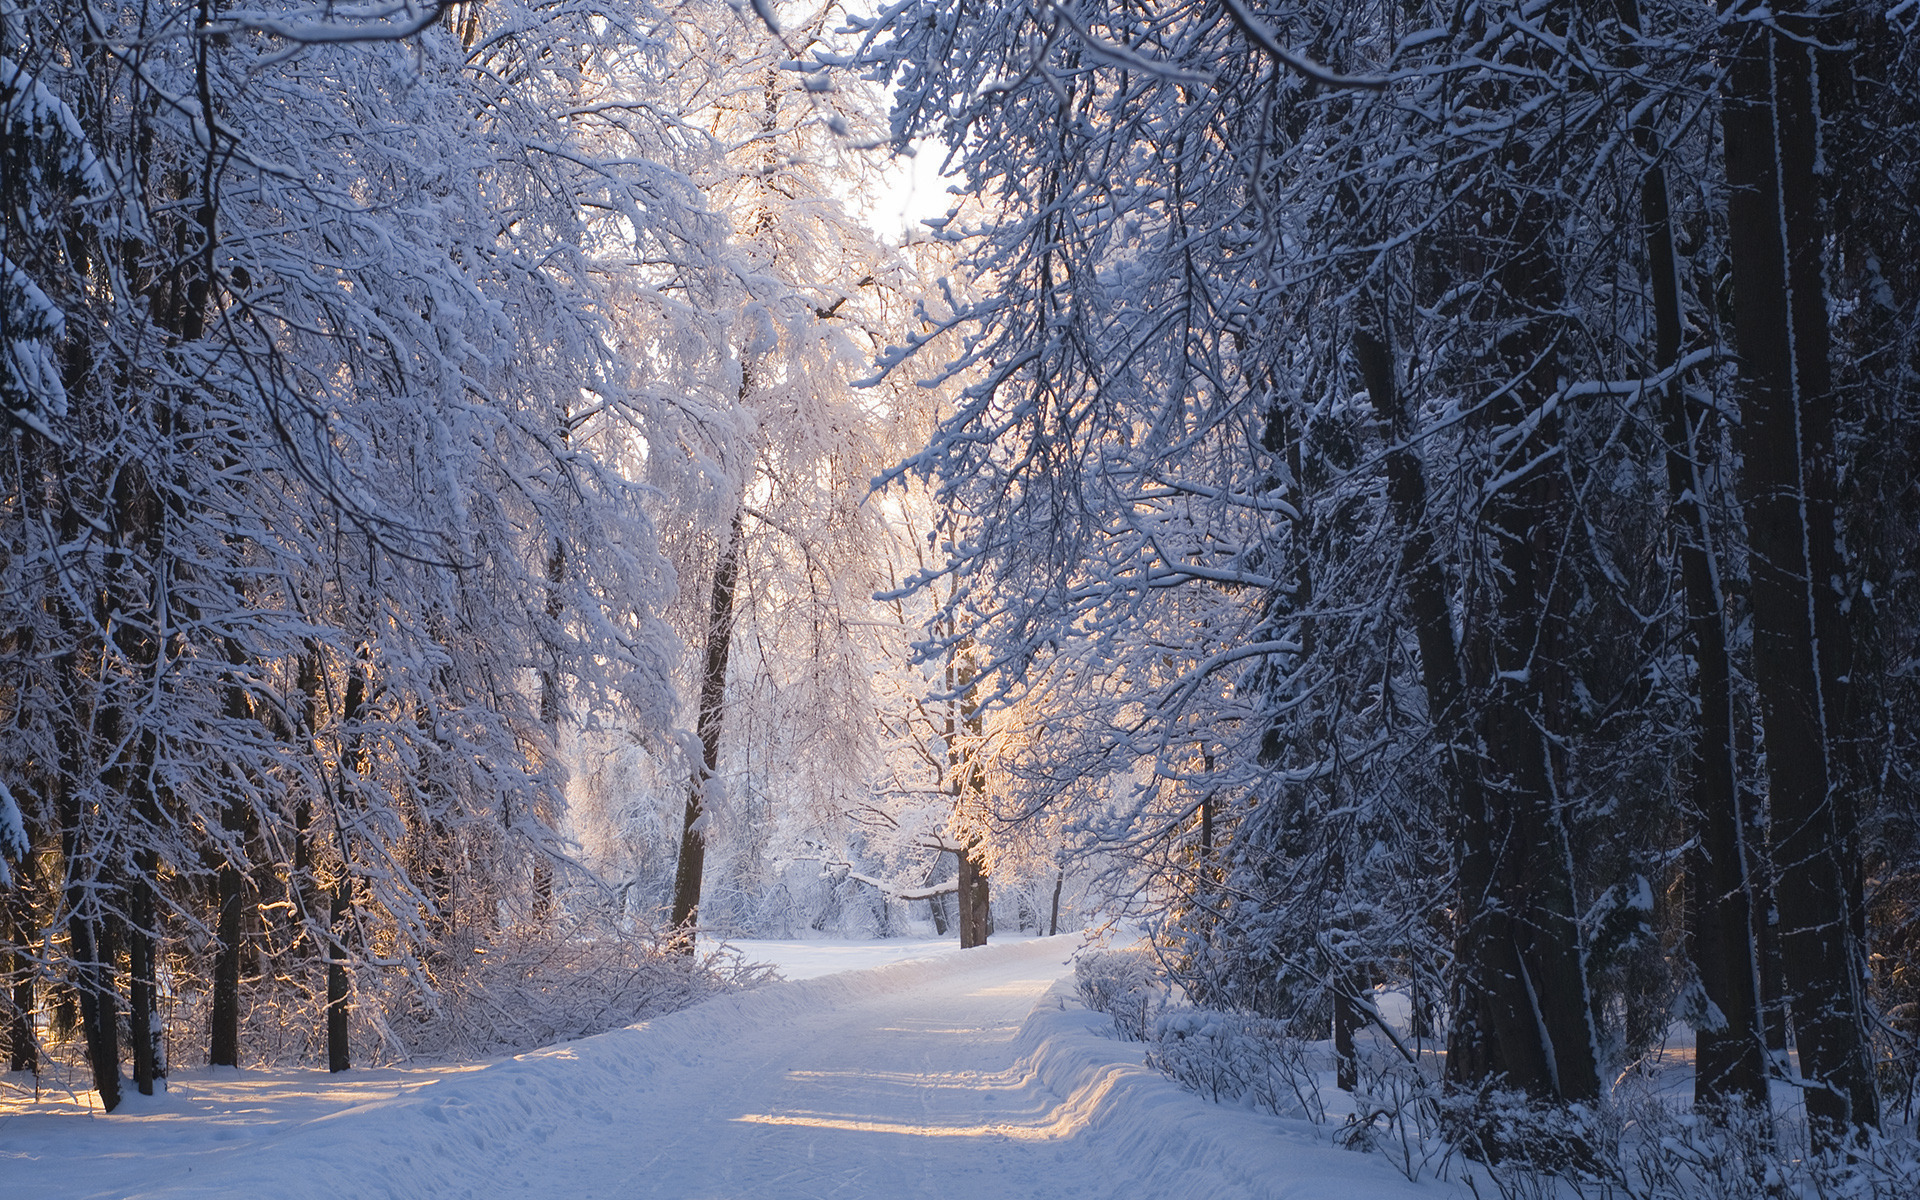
x=1649, y=1147
x=1234, y=1058
x=1526, y=1148
x=488, y=992
x=1120, y=983
x=1398, y=1111
x=1659, y=1153
x=542, y=984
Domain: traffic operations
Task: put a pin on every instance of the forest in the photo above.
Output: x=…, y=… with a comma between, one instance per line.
x=1413, y=505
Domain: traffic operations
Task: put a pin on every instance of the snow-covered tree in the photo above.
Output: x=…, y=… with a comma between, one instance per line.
x=1346, y=380
x=328, y=508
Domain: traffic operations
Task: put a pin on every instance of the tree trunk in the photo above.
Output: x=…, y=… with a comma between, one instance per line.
x=92, y=967
x=1520, y=1004
x=339, y=988
x=143, y=925
x=340, y=907
x=1346, y=1021
x=973, y=895
x=99, y=1003
x=23, y=1053
x=937, y=903
x=1785, y=437
x=1536, y=989
x=713, y=702
x=133, y=780
x=550, y=704
x=223, y=1022
x=143, y=937
x=1731, y=1059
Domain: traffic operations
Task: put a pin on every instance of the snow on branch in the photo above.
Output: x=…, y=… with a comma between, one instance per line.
x=1267, y=40
x=330, y=23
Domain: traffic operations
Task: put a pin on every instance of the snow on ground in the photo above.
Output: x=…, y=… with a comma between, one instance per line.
x=963, y=1075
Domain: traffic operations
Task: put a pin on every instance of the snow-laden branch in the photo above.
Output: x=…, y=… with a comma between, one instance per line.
x=332, y=24
x=1268, y=40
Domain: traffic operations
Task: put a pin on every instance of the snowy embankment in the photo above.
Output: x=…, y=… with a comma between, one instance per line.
x=969, y=1076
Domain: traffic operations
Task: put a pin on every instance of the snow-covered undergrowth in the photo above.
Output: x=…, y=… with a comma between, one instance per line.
x=1164, y=1135
x=1643, y=1142
x=553, y=985
x=1121, y=984
x=488, y=993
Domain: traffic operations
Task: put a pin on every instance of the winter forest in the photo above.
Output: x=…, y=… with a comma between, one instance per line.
x=1407, y=510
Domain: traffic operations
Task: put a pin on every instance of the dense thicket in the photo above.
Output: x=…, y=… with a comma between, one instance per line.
x=1450, y=470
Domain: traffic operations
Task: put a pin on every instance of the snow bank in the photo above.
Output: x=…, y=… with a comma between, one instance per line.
x=1174, y=1143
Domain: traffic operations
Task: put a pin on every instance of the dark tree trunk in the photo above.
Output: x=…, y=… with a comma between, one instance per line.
x=133, y=780
x=224, y=1021
x=550, y=703
x=339, y=988
x=143, y=937
x=92, y=968
x=143, y=929
x=1521, y=1013
x=300, y=883
x=1773, y=988
x=1420, y=570
x=1785, y=437
x=23, y=1053
x=1053, y=921
x=713, y=702
x=967, y=776
x=973, y=895
x=1731, y=1059
x=1527, y=951
x=1346, y=1021
x=340, y=908
x=99, y=1003
x=134, y=582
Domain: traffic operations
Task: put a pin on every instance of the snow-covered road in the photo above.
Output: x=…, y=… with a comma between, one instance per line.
x=971, y=1076
x=915, y=1092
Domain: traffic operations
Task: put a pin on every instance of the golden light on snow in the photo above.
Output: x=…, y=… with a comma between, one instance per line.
x=1064, y=1120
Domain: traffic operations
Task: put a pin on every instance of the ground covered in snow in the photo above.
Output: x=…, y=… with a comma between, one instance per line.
x=968, y=1075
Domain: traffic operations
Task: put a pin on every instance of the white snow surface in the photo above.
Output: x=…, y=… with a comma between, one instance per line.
x=963, y=1075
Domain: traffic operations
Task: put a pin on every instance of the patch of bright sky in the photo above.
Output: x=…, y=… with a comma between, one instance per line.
x=909, y=190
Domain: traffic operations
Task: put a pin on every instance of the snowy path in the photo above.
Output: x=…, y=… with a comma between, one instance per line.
x=967, y=1077
x=908, y=1094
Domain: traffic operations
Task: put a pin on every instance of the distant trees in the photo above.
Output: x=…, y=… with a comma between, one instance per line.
x=1403, y=447
x=766, y=522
